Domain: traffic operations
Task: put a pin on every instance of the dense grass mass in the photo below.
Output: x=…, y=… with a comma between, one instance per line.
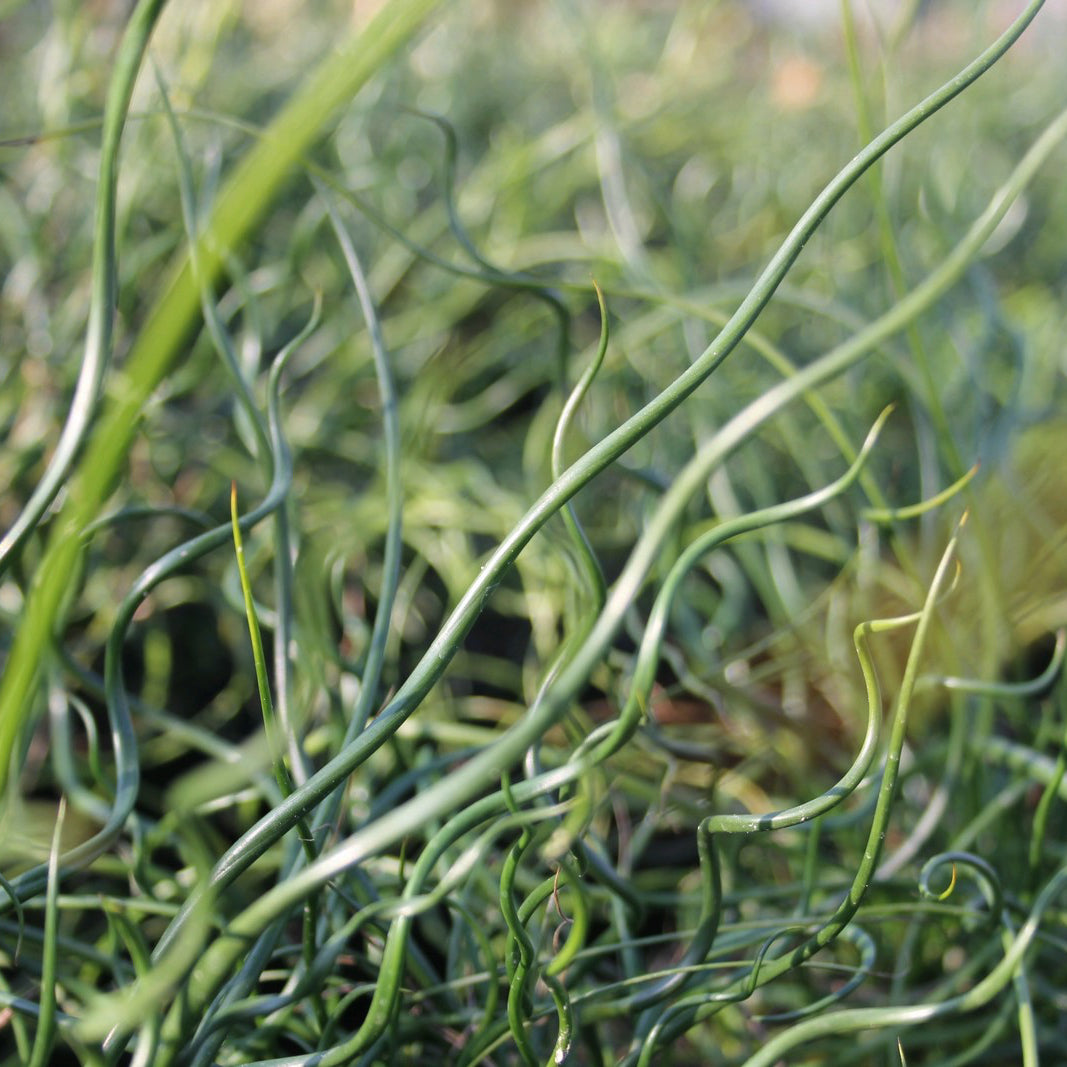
x=533, y=533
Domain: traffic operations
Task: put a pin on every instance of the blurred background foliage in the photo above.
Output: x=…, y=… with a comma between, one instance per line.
x=663, y=148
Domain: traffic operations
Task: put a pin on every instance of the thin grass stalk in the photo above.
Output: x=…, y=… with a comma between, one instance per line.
x=97, y=356
x=45, y=1037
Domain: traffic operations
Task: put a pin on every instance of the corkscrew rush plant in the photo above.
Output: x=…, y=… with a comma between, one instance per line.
x=736, y=745
x=613, y=445
x=238, y=209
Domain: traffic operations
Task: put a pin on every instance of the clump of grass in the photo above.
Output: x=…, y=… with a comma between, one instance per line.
x=607, y=713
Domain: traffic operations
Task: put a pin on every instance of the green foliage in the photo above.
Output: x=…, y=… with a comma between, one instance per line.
x=658, y=669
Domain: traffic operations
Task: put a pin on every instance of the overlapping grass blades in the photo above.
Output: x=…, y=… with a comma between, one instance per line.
x=240, y=206
x=597, y=779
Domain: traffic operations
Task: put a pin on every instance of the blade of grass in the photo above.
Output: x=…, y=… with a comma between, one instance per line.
x=102, y=301
x=259, y=659
x=45, y=1037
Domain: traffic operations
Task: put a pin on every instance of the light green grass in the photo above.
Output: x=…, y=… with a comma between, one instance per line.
x=444, y=657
